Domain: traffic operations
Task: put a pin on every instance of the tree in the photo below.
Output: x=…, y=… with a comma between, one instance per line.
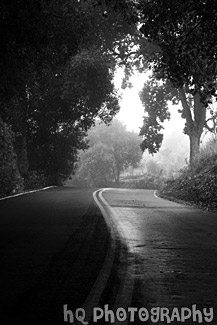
x=119, y=147
x=65, y=108
x=96, y=166
x=182, y=53
x=57, y=71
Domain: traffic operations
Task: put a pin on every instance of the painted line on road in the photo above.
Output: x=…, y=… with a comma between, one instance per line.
x=28, y=192
x=124, y=296
x=155, y=194
x=95, y=294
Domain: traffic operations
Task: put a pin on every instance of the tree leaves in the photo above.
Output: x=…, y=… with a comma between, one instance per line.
x=185, y=34
x=57, y=73
x=154, y=97
x=184, y=53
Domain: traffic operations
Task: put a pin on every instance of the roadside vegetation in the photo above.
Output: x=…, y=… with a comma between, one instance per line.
x=176, y=179
x=153, y=170
x=196, y=183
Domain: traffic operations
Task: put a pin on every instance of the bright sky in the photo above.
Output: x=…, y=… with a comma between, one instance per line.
x=132, y=110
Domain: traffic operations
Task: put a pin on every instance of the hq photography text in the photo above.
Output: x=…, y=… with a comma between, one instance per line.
x=154, y=315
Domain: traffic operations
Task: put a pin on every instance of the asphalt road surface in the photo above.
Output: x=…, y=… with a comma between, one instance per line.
x=141, y=252
x=52, y=244
x=173, y=250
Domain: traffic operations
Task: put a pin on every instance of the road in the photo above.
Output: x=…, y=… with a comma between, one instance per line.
x=57, y=249
x=48, y=245
x=174, y=249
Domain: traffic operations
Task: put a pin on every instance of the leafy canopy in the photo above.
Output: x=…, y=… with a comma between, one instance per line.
x=57, y=71
x=179, y=42
x=186, y=42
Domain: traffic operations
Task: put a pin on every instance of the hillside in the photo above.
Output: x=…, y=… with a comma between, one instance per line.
x=196, y=184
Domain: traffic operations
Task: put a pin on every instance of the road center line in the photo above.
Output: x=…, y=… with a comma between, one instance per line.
x=93, y=298
x=124, y=296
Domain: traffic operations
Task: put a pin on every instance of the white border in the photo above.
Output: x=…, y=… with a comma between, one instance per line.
x=23, y=193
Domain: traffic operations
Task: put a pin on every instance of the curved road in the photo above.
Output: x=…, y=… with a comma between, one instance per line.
x=57, y=249
x=174, y=251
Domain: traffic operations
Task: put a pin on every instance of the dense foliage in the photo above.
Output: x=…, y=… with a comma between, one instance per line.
x=155, y=97
x=180, y=44
x=197, y=184
x=10, y=178
x=56, y=77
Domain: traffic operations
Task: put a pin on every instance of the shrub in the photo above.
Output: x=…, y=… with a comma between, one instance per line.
x=35, y=179
x=147, y=181
x=10, y=179
x=197, y=183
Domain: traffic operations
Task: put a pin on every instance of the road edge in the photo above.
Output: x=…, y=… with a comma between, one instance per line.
x=26, y=192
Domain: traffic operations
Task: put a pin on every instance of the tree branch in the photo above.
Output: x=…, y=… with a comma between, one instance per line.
x=210, y=129
x=191, y=31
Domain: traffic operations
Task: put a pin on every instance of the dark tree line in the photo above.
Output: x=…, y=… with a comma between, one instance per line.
x=56, y=77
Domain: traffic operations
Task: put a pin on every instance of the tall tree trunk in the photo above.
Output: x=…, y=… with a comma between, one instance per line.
x=194, y=145
x=117, y=180
x=194, y=112
x=116, y=174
